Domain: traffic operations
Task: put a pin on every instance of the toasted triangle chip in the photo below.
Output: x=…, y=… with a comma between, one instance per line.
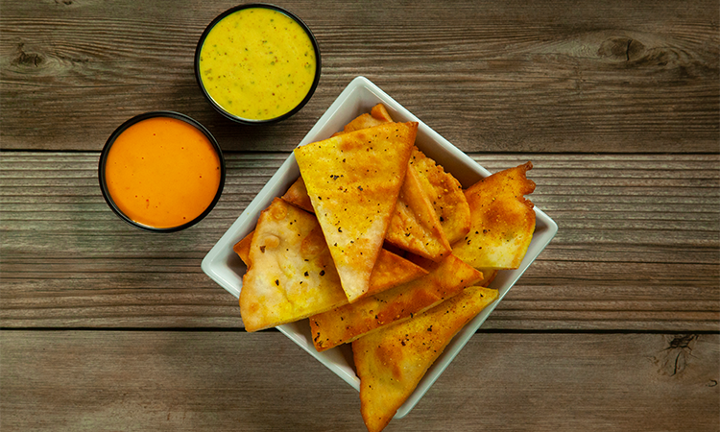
x=378, y=115
x=415, y=227
x=446, y=195
x=291, y=275
x=347, y=323
x=396, y=250
x=380, y=112
x=503, y=220
x=391, y=361
x=392, y=270
x=489, y=275
x=353, y=181
x=297, y=195
x=242, y=248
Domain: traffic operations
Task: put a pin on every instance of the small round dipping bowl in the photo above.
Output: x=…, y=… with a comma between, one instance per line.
x=161, y=171
x=257, y=64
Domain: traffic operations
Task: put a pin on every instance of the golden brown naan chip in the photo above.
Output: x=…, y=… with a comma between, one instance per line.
x=446, y=195
x=353, y=181
x=381, y=113
x=503, y=220
x=489, y=275
x=291, y=274
x=347, y=323
x=391, y=361
x=297, y=195
x=242, y=248
x=415, y=227
x=392, y=270
x=378, y=115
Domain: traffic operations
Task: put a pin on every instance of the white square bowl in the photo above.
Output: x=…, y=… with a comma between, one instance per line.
x=226, y=268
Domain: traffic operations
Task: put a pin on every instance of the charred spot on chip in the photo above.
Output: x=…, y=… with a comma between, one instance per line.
x=262, y=249
x=277, y=282
x=322, y=272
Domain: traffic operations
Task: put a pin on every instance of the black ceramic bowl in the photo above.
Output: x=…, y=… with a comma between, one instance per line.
x=251, y=121
x=122, y=128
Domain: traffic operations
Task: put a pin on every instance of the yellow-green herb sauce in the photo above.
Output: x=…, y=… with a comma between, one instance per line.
x=257, y=63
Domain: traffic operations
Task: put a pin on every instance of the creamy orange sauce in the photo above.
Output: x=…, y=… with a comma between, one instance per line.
x=162, y=172
x=257, y=63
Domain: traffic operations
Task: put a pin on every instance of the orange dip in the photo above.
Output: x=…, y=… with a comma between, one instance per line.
x=162, y=172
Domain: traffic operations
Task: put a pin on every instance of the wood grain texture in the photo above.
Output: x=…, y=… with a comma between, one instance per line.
x=617, y=104
x=559, y=76
x=637, y=247
x=192, y=381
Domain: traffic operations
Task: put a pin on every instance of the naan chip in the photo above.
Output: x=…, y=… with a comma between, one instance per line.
x=503, y=220
x=293, y=270
x=353, y=181
x=380, y=112
x=291, y=274
x=378, y=115
x=347, y=323
x=242, y=248
x=415, y=227
x=297, y=195
x=392, y=270
x=391, y=361
x=489, y=275
x=446, y=195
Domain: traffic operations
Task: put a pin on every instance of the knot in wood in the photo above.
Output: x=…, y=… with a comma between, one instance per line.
x=27, y=59
x=621, y=49
x=675, y=357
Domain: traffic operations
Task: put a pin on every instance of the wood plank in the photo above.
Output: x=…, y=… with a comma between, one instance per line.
x=561, y=76
x=195, y=381
x=637, y=247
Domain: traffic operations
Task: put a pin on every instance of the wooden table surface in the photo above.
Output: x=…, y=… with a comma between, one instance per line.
x=614, y=327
